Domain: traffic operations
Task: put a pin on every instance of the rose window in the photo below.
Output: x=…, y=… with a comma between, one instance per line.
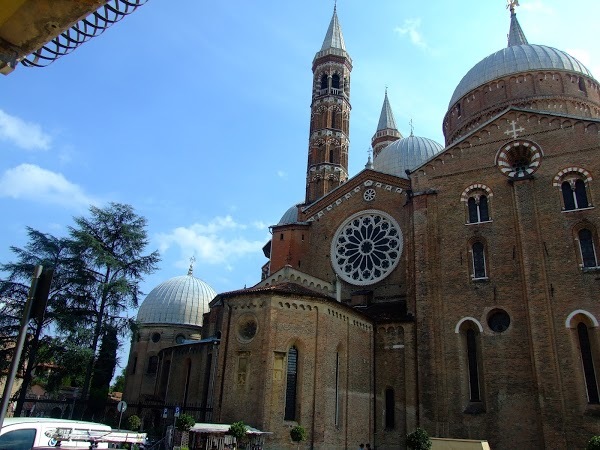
x=366, y=248
x=369, y=195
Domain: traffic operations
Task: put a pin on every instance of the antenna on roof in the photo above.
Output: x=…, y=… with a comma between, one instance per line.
x=412, y=128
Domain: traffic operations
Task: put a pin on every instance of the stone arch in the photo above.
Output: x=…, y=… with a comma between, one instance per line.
x=468, y=319
x=570, y=323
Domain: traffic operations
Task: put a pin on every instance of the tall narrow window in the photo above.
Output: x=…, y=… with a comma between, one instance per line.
x=474, y=394
x=290, y=388
x=390, y=407
x=587, y=360
x=574, y=194
x=333, y=116
x=335, y=81
x=187, y=381
x=478, y=209
x=588, y=251
x=337, y=389
x=152, y=364
x=134, y=365
x=324, y=81
x=478, y=260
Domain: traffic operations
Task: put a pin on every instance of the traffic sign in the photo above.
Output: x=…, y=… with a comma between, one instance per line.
x=165, y=413
x=121, y=406
x=177, y=411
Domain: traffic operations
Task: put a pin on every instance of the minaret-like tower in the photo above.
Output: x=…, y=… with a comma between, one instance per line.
x=330, y=115
x=387, y=132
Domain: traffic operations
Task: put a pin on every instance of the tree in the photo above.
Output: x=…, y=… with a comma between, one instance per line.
x=97, y=271
x=51, y=253
x=593, y=443
x=238, y=430
x=418, y=440
x=109, y=246
x=119, y=383
x=298, y=434
x=183, y=423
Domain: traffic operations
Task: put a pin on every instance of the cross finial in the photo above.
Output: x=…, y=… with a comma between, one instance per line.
x=412, y=128
x=369, y=152
x=191, y=269
x=511, y=5
x=334, y=5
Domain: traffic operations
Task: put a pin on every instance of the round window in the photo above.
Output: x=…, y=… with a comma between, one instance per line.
x=366, y=247
x=519, y=159
x=155, y=337
x=180, y=338
x=369, y=195
x=499, y=320
x=247, y=328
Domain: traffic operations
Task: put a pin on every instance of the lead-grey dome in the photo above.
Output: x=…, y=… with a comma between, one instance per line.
x=181, y=300
x=405, y=154
x=516, y=59
x=290, y=216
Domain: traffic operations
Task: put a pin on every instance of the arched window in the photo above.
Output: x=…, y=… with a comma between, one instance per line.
x=337, y=389
x=390, y=407
x=473, y=365
x=335, y=81
x=324, y=81
x=587, y=248
x=478, y=260
x=478, y=209
x=291, y=382
x=333, y=116
x=574, y=194
x=587, y=361
x=152, y=364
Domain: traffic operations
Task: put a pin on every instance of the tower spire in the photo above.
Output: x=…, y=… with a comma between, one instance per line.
x=330, y=115
x=515, y=34
x=387, y=131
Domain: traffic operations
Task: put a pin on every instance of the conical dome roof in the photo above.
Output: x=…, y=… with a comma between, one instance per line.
x=180, y=300
x=405, y=154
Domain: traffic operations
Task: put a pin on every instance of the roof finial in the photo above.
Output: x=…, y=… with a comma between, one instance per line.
x=369, y=164
x=412, y=128
x=191, y=269
x=334, y=5
x=511, y=5
x=515, y=33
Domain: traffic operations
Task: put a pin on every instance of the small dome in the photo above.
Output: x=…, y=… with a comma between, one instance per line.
x=405, y=154
x=181, y=300
x=516, y=59
x=290, y=216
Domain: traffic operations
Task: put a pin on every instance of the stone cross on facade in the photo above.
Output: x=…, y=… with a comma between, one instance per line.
x=514, y=130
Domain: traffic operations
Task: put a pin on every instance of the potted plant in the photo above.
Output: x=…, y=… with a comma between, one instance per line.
x=418, y=440
x=298, y=434
x=238, y=431
x=183, y=423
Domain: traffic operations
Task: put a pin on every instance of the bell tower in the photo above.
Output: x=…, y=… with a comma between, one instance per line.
x=330, y=115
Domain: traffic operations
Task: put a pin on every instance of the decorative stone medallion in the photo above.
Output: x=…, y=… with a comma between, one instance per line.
x=366, y=247
x=246, y=328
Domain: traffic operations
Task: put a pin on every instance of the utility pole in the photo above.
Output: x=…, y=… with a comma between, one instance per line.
x=10, y=378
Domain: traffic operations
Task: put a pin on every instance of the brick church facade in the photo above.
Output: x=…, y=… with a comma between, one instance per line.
x=453, y=288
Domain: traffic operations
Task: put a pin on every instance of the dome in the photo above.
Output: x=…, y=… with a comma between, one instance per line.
x=181, y=300
x=405, y=154
x=290, y=216
x=515, y=59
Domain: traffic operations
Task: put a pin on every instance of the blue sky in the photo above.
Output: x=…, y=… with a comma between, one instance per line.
x=197, y=113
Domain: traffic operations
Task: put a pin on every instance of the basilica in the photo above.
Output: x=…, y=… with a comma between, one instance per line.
x=452, y=287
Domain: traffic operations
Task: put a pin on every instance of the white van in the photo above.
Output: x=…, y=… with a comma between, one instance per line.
x=24, y=433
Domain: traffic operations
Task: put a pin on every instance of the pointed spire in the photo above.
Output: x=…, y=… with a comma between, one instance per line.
x=386, y=118
x=515, y=34
x=334, y=37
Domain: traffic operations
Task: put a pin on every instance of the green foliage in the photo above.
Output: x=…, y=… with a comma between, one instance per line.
x=119, y=384
x=238, y=431
x=97, y=271
x=418, y=440
x=184, y=448
x=298, y=433
x=134, y=422
x=593, y=443
x=184, y=422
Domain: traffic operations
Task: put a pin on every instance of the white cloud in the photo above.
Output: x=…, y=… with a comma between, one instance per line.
x=26, y=135
x=31, y=182
x=216, y=242
x=411, y=29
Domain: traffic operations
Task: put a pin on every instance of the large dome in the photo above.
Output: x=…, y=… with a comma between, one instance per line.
x=515, y=59
x=181, y=300
x=405, y=154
